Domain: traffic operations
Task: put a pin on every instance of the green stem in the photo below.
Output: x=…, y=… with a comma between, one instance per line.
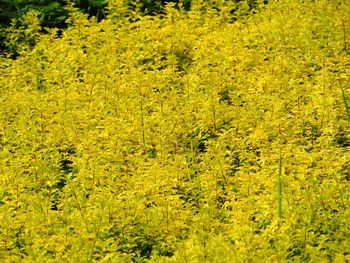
x=280, y=188
x=345, y=103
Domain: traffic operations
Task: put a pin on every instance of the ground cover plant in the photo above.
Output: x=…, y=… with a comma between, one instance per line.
x=15, y=31
x=185, y=137
x=16, y=25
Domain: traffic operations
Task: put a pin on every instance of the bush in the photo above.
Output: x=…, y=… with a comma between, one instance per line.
x=50, y=13
x=53, y=14
x=179, y=138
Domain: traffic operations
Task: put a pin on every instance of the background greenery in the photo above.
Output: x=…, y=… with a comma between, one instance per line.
x=179, y=137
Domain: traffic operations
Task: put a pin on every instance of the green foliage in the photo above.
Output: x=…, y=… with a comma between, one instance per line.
x=161, y=138
x=52, y=13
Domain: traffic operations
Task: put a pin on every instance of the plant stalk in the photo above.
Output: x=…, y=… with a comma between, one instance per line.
x=280, y=193
x=345, y=103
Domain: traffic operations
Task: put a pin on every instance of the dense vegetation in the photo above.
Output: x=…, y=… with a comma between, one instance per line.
x=15, y=30
x=179, y=137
